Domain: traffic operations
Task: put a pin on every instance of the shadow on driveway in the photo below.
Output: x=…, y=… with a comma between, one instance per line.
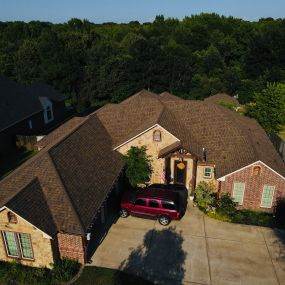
x=160, y=259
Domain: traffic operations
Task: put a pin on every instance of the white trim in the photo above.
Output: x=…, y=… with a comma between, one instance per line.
x=239, y=204
x=258, y=161
x=271, y=197
x=45, y=234
x=143, y=132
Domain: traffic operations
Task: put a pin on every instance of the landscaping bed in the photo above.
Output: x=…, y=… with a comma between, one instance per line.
x=14, y=273
x=225, y=209
x=105, y=276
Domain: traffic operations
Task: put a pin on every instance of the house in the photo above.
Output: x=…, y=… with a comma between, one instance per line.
x=27, y=110
x=63, y=200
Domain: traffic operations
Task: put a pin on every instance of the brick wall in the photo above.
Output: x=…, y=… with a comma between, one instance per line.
x=254, y=186
x=71, y=246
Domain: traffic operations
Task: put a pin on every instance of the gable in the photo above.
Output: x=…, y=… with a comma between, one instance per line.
x=145, y=138
x=223, y=178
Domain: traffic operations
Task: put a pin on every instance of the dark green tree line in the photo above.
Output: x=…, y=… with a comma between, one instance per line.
x=192, y=58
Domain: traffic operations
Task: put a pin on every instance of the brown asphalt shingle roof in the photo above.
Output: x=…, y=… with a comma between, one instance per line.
x=75, y=174
x=216, y=99
x=71, y=177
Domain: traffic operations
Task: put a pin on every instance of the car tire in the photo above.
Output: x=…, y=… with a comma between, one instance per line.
x=124, y=213
x=164, y=220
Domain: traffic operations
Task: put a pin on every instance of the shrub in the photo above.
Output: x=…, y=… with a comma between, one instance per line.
x=65, y=269
x=226, y=205
x=15, y=273
x=280, y=213
x=220, y=216
x=204, y=195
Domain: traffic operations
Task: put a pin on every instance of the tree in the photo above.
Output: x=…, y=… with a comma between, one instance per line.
x=138, y=165
x=269, y=107
x=204, y=195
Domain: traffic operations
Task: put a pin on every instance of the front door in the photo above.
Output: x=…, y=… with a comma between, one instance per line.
x=180, y=171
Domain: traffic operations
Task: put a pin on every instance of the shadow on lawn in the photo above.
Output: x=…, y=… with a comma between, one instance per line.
x=160, y=259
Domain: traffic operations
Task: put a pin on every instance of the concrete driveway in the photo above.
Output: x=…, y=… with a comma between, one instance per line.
x=196, y=250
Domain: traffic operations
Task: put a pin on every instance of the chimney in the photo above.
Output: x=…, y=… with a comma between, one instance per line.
x=204, y=154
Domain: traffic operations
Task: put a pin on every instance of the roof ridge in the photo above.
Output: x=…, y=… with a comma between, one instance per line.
x=67, y=195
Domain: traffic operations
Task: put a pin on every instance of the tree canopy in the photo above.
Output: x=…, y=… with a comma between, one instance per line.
x=138, y=166
x=192, y=58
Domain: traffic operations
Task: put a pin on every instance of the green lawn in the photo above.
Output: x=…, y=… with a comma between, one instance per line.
x=11, y=162
x=106, y=276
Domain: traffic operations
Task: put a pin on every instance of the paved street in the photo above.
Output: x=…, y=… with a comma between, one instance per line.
x=196, y=250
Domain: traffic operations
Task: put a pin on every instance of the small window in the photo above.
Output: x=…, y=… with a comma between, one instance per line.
x=207, y=172
x=140, y=202
x=30, y=124
x=256, y=171
x=157, y=136
x=49, y=113
x=238, y=192
x=11, y=244
x=12, y=218
x=267, y=196
x=168, y=205
x=153, y=204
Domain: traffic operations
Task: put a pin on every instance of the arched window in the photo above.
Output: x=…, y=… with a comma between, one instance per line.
x=12, y=218
x=256, y=170
x=157, y=136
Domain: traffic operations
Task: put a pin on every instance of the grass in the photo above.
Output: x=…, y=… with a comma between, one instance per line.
x=105, y=276
x=11, y=162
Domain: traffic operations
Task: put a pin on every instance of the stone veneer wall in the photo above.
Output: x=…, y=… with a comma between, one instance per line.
x=153, y=149
x=254, y=186
x=41, y=243
x=200, y=175
x=71, y=246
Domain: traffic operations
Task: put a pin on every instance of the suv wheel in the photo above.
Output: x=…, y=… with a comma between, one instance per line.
x=124, y=213
x=164, y=220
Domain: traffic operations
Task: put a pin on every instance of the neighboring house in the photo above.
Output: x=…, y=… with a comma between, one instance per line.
x=63, y=200
x=27, y=110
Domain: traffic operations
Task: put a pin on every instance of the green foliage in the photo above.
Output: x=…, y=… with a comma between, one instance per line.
x=269, y=107
x=250, y=217
x=193, y=58
x=204, y=195
x=226, y=205
x=15, y=273
x=228, y=105
x=138, y=165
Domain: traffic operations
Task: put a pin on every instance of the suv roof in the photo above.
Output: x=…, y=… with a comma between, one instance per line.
x=149, y=193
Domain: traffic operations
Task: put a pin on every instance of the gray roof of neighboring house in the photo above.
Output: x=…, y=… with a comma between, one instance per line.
x=18, y=102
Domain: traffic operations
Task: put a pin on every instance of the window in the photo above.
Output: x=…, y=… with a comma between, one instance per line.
x=238, y=192
x=12, y=218
x=48, y=114
x=18, y=245
x=267, y=196
x=140, y=202
x=157, y=136
x=30, y=124
x=11, y=244
x=153, y=204
x=207, y=172
x=26, y=246
x=168, y=205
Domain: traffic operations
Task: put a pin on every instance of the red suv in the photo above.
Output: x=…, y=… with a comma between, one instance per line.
x=156, y=203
